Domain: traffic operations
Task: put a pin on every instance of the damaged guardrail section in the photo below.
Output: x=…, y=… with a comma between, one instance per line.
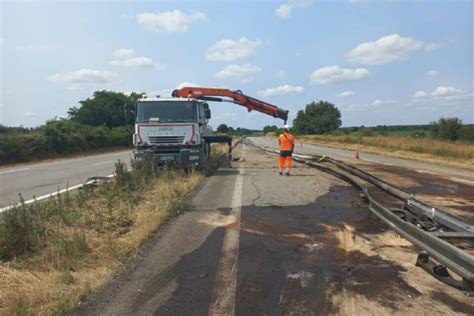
x=447, y=255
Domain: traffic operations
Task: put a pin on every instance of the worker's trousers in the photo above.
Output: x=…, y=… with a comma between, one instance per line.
x=285, y=159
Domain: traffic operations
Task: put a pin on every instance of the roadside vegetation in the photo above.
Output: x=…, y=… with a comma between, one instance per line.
x=239, y=131
x=447, y=140
x=55, y=253
x=423, y=149
x=101, y=122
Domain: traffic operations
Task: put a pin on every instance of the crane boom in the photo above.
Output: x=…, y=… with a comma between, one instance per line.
x=237, y=97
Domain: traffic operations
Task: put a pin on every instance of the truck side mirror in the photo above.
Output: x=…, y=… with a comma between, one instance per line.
x=207, y=113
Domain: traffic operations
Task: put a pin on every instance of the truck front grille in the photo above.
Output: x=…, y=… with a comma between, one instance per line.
x=166, y=139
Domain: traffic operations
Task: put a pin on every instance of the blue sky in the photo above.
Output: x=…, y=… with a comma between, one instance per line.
x=385, y=62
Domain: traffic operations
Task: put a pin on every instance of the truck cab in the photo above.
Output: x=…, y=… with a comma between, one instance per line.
x=172, y=129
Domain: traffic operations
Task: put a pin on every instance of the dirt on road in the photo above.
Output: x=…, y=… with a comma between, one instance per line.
x=263, y=244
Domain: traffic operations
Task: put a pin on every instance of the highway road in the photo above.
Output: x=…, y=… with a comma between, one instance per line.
x=455, y=174
x=444, y=186
x=263, y=244
x=37, y=179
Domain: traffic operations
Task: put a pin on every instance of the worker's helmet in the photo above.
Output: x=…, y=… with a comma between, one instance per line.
x=286, y=127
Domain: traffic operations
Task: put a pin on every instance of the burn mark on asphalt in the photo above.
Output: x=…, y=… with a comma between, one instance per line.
x=460, y=194
x=373, y=277
x=300, y=242
x=455, y=305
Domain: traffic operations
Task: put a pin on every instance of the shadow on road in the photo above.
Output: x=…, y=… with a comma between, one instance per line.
x=290, y=261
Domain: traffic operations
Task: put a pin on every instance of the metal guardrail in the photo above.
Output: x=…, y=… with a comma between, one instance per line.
x=430, y=243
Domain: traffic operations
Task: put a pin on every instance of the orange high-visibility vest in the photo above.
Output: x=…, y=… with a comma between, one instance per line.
x=286, y=142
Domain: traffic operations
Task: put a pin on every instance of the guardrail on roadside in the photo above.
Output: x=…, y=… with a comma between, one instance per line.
x=447, y=255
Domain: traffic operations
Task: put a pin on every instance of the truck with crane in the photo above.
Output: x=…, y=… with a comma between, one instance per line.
x=176, y=129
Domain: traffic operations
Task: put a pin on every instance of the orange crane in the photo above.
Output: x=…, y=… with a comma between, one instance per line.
x=237, y=97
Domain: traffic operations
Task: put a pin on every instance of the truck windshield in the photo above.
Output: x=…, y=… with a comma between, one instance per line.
x=166, y=111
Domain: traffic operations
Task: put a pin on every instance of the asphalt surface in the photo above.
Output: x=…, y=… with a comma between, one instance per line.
x=459, y=175
x=37, y=179
x=447, y=187
x=263, y=244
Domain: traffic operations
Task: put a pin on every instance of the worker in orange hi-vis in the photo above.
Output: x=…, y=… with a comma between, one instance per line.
x=287, y=145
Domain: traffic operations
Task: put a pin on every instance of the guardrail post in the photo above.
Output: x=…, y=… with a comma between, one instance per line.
x=230, y=153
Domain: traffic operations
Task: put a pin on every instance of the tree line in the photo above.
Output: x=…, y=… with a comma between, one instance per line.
x=324, y=117
x=99, y=122
x=239, y=131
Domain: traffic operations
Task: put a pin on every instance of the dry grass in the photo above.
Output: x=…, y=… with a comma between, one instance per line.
x=423, y=149
x=84, y=246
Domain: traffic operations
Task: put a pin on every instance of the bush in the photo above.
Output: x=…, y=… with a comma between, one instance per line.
x=366, y=131
x=446, y=128
x=466, y=133
x=60, y=137
x=21, y=231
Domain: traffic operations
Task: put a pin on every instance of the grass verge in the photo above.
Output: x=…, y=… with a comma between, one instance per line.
x=55, y=253
x=422, y=149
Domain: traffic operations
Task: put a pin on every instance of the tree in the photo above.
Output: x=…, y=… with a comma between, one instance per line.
x=317, y=118
x=269, y=128
x=446, y=128
x=223, y=128
x=105, y=107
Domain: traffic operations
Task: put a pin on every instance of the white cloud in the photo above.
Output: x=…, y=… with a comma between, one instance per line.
x=373, y=106
x=433, y=73
x=284, y=11
x=345, y=94
x=187, y=84
x=84, y=76
x=31, y=115
x=240, y=72
x=285, y=89
x=442, y=98
x=123, y=53
x=420, y=94
x=230, y=50
x=446, y=91
x=379, y=102
x=336, y=74
x=138, y=62
x=387, y=49
x=127, y=58
x=168, y=21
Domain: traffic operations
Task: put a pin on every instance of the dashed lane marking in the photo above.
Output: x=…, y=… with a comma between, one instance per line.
x=102, y=163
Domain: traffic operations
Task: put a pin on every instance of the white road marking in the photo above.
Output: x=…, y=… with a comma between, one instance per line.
x=50, y=195
x=14, y=170
x=226, y=277
x=102, y=163
x=463, y=181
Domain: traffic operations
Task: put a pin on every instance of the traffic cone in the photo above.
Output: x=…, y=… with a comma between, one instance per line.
x=356, y=154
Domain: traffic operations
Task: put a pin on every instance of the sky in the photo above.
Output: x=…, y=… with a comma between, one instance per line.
x=379, y=62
